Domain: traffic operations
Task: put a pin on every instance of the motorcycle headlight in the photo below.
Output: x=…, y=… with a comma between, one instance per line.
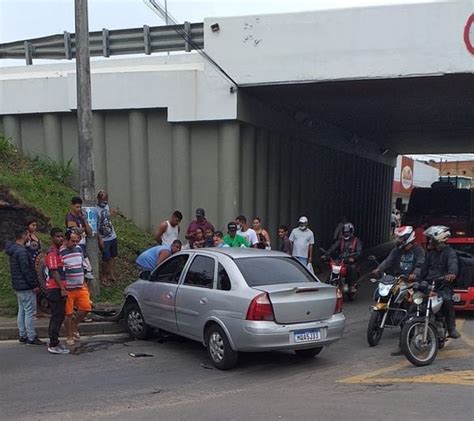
x=418, y=298
x=384, y=290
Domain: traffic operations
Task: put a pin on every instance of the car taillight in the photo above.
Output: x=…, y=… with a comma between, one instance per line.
x=339, y=301
x=260, y=308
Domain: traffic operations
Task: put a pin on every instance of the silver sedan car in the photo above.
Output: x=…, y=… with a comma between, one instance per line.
x=236, y=300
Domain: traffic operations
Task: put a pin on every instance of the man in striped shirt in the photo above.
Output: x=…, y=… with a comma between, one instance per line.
x=77, y=291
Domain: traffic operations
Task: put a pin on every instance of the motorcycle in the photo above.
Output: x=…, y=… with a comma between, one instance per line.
x=425, y=332
x=391, y=295
x=338, y=275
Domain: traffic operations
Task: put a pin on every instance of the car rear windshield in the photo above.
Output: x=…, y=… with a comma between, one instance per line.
x=440, y=202
x=259, y=271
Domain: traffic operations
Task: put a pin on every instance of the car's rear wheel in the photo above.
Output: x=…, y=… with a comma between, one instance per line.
x=136, y=322
x=219, y=350
x=308, y=353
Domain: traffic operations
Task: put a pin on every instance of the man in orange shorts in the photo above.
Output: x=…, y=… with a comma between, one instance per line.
x=77, y=291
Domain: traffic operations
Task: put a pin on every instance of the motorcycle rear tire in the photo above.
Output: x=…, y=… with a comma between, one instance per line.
x=405, y=338
x=374, y=331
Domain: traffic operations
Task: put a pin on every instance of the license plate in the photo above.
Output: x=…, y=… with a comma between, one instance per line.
x=307, y=335
x=456, y=298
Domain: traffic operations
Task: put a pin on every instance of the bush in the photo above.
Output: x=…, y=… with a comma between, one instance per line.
x=58, y=171
x=6, y=148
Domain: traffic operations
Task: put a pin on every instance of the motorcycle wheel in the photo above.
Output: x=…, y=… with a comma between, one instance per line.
x=374, y=331
x=417, y=352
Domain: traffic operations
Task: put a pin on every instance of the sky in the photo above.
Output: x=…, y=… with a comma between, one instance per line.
x=23, y=19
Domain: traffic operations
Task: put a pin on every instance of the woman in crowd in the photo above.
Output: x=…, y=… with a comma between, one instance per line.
x=262, y=234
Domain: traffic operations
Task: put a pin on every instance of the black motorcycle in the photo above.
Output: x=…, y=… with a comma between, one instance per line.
x=425, y=332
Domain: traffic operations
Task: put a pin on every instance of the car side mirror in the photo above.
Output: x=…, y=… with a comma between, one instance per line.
x=145, y=275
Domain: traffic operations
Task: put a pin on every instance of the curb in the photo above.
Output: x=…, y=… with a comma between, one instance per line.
x=87, y=329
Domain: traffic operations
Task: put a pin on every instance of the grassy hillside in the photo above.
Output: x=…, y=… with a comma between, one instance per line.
x=43, y=185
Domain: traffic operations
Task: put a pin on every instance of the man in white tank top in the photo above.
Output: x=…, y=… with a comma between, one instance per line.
x=168, y=230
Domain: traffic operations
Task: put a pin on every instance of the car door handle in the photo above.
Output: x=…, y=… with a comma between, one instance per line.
x=169, y=295
x=203, y=301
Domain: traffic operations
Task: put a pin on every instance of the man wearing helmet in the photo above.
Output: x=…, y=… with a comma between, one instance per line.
x=406, y=258
x=442, y=261
x=349, y=248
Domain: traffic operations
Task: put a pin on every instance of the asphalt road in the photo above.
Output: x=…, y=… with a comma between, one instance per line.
x=347, y=381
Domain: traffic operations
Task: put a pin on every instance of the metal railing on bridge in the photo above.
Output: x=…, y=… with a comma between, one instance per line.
x=106, y=43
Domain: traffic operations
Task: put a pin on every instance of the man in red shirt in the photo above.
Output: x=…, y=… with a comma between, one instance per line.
x=56, y=291
x=199, y=222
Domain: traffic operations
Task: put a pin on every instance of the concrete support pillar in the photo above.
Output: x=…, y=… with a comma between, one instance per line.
x=53, y=145
x=261, y=175
x=229, y=172
x=181, y=169
x=247, y=172
x=285, y=182
x=100, y=150
x=12, y=129
x=139, y=170
x=273, y=182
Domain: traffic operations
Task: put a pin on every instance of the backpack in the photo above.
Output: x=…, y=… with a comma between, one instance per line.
x=465, y=278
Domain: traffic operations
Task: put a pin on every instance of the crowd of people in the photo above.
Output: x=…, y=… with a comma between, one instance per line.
x=66, y=271
x=201, y=233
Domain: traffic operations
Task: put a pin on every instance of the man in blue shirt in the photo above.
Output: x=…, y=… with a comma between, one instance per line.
x=152, y=257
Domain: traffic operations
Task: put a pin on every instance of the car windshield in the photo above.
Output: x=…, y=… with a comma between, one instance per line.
x=442, y=202
x=259, y=271
x=466, y=248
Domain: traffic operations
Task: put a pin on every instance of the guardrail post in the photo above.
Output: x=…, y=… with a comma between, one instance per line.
x=146, y=39
x=105, y=43
x=187, y=36
x=67, y=46
x=28, y=53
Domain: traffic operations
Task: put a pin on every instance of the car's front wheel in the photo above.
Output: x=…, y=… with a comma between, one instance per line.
x=136, y=323
x=308, y=353
x=219, y=350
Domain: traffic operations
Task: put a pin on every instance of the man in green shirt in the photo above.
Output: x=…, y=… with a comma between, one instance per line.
x=232, y=239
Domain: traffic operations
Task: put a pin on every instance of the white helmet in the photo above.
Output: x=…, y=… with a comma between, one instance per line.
x=437, y=234
x=405, y=235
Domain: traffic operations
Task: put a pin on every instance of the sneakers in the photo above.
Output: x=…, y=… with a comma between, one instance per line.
x=22, y=340
x=35, y=342
x=76, y=335
x=70, y=341
x=58, y=349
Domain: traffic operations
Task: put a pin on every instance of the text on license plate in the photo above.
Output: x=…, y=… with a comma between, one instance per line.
x=307, y=335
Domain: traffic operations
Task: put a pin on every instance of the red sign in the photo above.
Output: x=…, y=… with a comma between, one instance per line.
x=467, y=34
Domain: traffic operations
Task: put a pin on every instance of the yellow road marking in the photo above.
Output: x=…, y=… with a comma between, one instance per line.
x=463, y=378
x=449, y=377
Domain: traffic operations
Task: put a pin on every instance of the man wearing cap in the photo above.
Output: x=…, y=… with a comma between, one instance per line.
x=199, y=222
x=302, y=241
x=232, y=239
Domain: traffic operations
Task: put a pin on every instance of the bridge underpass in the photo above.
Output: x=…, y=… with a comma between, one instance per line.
x=311, y=129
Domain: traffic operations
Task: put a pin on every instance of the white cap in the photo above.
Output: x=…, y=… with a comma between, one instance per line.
x=303, y=220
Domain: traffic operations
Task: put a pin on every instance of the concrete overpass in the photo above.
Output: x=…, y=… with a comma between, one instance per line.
x=324, y=103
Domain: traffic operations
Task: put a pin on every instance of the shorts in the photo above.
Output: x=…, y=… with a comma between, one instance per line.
x=78, y=298
x=110, y=250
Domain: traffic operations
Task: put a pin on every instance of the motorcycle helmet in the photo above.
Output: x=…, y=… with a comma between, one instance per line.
x=405, y=235
x=437, y=234
x=347, y=231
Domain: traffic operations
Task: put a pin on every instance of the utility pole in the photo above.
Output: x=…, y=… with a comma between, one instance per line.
x=84, y=124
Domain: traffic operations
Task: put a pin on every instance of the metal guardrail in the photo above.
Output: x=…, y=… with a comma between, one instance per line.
x=105, y=43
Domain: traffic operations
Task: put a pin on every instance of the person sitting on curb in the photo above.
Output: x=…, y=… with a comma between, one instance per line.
x=25, y=284
x=152, y=257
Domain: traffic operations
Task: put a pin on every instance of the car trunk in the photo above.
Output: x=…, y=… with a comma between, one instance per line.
x=300, y=302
